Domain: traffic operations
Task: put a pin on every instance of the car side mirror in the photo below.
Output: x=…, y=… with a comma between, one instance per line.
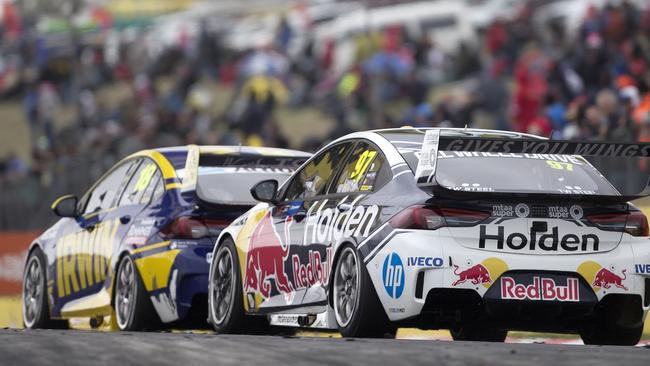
x=265, y=191
x=65, y=206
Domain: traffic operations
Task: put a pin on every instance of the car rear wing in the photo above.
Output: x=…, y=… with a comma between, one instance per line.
x=434, y=141
x=191, y=175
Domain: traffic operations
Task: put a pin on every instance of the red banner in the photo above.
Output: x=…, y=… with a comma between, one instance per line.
x=13, y=251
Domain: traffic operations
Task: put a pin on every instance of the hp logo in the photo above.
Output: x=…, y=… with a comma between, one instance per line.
x=393, y=275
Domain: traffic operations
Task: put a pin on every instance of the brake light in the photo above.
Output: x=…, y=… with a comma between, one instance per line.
x=425, y=218
x=185, y=227
x=634, y=223
x=637, y=224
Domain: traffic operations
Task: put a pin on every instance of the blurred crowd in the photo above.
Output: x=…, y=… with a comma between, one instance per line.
x=518, y=75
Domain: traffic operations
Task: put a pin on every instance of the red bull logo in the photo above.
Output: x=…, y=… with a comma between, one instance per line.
x=481, y=273
x=265, y=260
x=601, y=277
x=477, y=274
x=606, y=278
x=542, y=289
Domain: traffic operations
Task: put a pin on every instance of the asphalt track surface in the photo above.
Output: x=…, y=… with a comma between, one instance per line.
x=72, y=347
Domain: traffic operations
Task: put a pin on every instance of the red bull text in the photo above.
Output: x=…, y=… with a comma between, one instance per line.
x=542, y=289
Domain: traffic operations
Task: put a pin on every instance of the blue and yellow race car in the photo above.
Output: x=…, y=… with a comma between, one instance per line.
x=138, y=244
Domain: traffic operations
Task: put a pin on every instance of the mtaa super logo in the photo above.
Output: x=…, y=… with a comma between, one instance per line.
x=393, y=275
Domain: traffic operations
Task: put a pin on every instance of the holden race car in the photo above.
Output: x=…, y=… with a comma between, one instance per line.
x=137, y=245
x=476, y=231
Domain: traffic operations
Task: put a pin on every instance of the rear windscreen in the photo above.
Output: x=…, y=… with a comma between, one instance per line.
x=506, y=172
x=228, y=179
x=525, y=173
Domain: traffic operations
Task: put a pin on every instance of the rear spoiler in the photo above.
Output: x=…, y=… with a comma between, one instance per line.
x=425, y=174
x=191, y=174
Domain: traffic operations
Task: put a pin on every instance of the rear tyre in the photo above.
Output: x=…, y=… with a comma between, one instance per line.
x=225, y=295
x=36, y=311
x=133, y=308
x=357, y=308
x=612, y=335
x=479, y=334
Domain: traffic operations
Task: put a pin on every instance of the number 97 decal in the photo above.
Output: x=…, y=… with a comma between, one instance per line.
x=362, y=165
x=558, y=165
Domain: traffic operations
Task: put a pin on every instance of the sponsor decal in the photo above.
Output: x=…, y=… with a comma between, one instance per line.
x=424, y=261
x=286, y=319
x=396, y=310
x=182, y=244
x=558, y=212
x=255, y=163
x=313, y=273
x=642, y=268
x=292, y=208
x=559, y=162
x=550, y=242
x=326, y=225
x=502, y=210
x=481, y=273
x=82, y=257
x=576, y=212
x=265, y=260
x=606, y=278
x=393, y=275
x=542, y=289
x=268, y=262
x=500, y=145
x=600, y=277
x=139, y=232
x=473, y=187
x=522, y=210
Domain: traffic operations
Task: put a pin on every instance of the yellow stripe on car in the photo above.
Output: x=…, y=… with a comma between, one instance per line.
x=150, y=247
x=154, y=269
x=165, y=166
x=56, y=201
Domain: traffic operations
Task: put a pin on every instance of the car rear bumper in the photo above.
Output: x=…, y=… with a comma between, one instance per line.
x=187, y=282
x=428, y=266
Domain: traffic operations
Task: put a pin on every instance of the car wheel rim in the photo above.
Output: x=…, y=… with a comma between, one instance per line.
x=346, y=287
x=222, y=285
x=32, y=291
x=126, y=292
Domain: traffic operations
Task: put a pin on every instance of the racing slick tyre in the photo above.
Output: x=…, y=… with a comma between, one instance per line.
x=357, y=308
x=36, y=312
x=225, y=298
x=480, y=334
x=612, y=335
x=133, y=308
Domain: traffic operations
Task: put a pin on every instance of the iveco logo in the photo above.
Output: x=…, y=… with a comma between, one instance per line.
x=546, y=241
